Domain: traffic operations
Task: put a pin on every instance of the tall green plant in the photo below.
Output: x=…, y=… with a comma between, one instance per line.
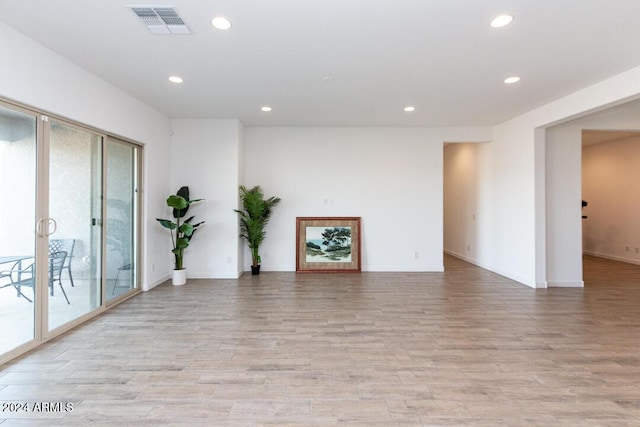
x=181, y=231
x=254, y=216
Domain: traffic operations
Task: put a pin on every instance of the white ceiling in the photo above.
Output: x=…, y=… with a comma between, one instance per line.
x=439, y=55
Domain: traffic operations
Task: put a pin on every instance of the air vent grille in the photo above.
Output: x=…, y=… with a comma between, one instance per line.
x=161, y=19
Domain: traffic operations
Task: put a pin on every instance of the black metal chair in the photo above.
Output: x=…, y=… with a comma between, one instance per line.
x=64, y=245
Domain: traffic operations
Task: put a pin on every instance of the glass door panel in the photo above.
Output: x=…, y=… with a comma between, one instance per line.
x=17, y=224
x=59, y=183
x=122, y=213
x=75, y=197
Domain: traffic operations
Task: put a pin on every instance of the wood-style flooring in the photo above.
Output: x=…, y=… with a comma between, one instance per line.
x=466, y=347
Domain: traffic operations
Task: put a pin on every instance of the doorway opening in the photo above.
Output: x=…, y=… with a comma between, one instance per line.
x=584, y=161
x=610, y=190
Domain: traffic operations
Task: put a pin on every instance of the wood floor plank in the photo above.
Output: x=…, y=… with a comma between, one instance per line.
x=463, y=347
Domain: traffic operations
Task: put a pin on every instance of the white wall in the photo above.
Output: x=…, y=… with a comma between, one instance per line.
x=206, y=158
x=564, y=193
x=515, y=196
x=611, y=186
x=241, y=244
x=35, y=76
x=508, y=207
x=391, y=177
x=477, y=216
x=563, y=207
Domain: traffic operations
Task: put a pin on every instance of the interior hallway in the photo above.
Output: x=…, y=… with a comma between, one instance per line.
x=464, y=347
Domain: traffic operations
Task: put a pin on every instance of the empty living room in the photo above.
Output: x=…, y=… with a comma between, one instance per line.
x=464, y=253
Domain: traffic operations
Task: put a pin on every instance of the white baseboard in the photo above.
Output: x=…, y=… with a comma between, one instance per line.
x=492, y=269
x=462, y=257
x=225, y=275
x=613, y=257
x=396, y=269
x=155, y=283
x=370, y=269
x=565, y=284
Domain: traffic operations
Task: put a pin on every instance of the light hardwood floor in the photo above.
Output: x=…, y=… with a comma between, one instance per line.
x=464, y=347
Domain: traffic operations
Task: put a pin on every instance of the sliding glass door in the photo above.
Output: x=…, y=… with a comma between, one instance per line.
x=75, y=206
x=122, y=213
x=18, y=161
x=69, y=225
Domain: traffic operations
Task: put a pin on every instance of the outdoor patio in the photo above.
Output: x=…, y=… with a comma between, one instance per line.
x=17, y=314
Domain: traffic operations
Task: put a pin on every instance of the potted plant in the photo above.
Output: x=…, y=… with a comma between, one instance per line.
x=181, y=230
x=254, y=216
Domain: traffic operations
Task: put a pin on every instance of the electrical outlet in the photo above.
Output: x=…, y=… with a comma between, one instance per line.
x=468, y=248
x=637, y=250
x=416, y=255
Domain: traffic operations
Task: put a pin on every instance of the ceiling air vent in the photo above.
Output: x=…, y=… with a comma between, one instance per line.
x=161, y=19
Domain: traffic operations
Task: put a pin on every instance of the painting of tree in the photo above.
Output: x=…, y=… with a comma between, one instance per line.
x=328, y=244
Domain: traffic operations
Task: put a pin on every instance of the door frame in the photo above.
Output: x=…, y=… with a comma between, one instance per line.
x=41, y=236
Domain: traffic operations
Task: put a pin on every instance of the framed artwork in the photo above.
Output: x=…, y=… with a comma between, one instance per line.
x=328, y=244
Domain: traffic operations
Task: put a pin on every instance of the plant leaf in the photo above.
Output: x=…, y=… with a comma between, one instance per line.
x=181, y=211
x=177, y=202
x=186, y=229
x=181, y=243
x=183, y=192
x=167, y=224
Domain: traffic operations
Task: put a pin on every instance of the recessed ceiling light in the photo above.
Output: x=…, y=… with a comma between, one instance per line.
x=409, y=108
x=175, y=79
x=511, y=80
x=266, y=109
x=221, y=23
x=501, y=21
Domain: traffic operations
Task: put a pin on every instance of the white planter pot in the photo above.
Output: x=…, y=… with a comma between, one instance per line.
x=179, y=277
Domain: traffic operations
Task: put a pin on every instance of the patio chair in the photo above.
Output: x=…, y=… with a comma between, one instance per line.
x=56, y=265
x=6, y=274
x=120, y=269
x=20, y=277
x=64, y=245
x=25, y=277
